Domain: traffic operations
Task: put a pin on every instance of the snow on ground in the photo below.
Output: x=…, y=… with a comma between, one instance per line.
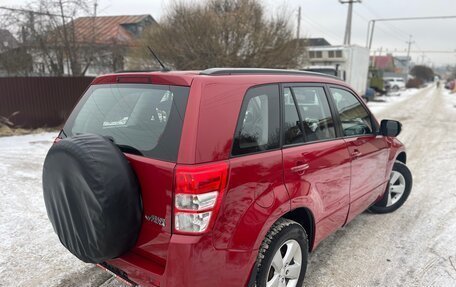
x=451, y=99
x=414, y=246
x=30, y=252
x=383, y=102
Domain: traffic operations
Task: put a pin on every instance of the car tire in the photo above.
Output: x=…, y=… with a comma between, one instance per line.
x=397, y=191
x=283, y=255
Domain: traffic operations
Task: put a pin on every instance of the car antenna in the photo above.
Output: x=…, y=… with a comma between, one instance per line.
x=164, y=68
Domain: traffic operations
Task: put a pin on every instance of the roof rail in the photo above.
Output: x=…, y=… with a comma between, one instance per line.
x=243, y=71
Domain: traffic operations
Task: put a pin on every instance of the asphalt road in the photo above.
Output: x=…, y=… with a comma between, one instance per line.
x=414, y=246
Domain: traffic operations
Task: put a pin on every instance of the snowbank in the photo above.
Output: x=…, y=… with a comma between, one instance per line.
x=383, y=102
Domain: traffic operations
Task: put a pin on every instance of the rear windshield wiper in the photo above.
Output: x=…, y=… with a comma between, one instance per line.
x=129, y=149
x=125, y=148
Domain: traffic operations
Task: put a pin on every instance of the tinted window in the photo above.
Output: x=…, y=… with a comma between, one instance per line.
x=292, y=126
x=315, y=113
x=141, y=119
x=354, y=117
x=258, y=127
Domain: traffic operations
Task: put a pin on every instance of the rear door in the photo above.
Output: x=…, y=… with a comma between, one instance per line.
x=316, y=163
x=145, y=122
x=368, y=151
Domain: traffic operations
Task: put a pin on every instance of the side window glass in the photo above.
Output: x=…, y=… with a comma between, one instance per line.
x=354, y=117
x=291, y=127
x=317, y=120
x=258, y=127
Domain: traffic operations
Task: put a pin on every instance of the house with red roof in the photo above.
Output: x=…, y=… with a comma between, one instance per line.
x=98, y=45
x=384, y=63
x=109, y=38
x=109, y=30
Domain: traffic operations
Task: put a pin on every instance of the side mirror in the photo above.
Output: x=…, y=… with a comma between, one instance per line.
x=390, y=128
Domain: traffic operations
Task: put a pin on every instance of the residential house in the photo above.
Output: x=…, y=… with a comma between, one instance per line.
x=99, y=45
x=392, y=66
x=305, y=44
x=7, y=41
x=106, y=40
x=384, y=63
x=402, y=64
x=14, y=61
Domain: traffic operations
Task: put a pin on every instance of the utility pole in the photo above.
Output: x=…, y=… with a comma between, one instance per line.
x=348, y=25
x=95, y=7
x=298, y=32
x=409, y=42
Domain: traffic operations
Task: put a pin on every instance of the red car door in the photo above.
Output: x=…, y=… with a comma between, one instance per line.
x=369, y=152
x=316, y=164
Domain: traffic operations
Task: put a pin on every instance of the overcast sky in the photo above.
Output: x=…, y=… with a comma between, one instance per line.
x=326, y=18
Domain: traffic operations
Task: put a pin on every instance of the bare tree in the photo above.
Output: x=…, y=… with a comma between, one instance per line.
x=47, y=32
x=234, y=33
x=56, y=37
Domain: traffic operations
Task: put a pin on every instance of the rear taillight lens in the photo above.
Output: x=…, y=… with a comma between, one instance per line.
x=198, y=194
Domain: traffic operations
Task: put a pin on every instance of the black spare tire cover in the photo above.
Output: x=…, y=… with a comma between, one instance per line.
x=92, y=197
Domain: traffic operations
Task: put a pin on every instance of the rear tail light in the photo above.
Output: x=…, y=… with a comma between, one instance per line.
x=198, y=194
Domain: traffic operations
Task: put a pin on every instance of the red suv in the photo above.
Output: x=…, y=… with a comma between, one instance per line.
x=223, y=177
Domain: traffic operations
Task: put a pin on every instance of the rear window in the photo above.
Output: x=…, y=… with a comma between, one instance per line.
x=141, y=119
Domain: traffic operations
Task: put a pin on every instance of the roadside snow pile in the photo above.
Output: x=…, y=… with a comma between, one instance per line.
x=383, y=102
x=451, y=99
x=31, y=254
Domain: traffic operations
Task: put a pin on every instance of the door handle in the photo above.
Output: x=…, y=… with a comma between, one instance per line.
x=356, y=154
x=300, y=168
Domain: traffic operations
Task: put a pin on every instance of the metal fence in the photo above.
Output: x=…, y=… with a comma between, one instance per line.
x=40, y=101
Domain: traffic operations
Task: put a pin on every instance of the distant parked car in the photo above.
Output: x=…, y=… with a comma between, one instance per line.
x=395, y=84
x=450, y=85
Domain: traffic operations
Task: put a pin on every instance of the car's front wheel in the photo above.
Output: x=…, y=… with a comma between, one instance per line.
x=397, y=191
x=282, y=259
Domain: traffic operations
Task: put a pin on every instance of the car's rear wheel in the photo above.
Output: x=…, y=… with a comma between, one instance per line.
x=397, y=191
x=282, y=259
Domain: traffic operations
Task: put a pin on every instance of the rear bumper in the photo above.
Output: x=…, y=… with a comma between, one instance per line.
x=192, y=261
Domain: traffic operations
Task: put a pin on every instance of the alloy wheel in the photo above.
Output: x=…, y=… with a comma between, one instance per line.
x=396, y=188
x=286, y=265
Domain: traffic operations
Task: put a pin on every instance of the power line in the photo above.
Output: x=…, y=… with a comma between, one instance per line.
x=320, y=28
x=31, y=11
x=389, y=28
x=433, y=51
x=401, y=33
x=371, y=25
x=389, y=32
